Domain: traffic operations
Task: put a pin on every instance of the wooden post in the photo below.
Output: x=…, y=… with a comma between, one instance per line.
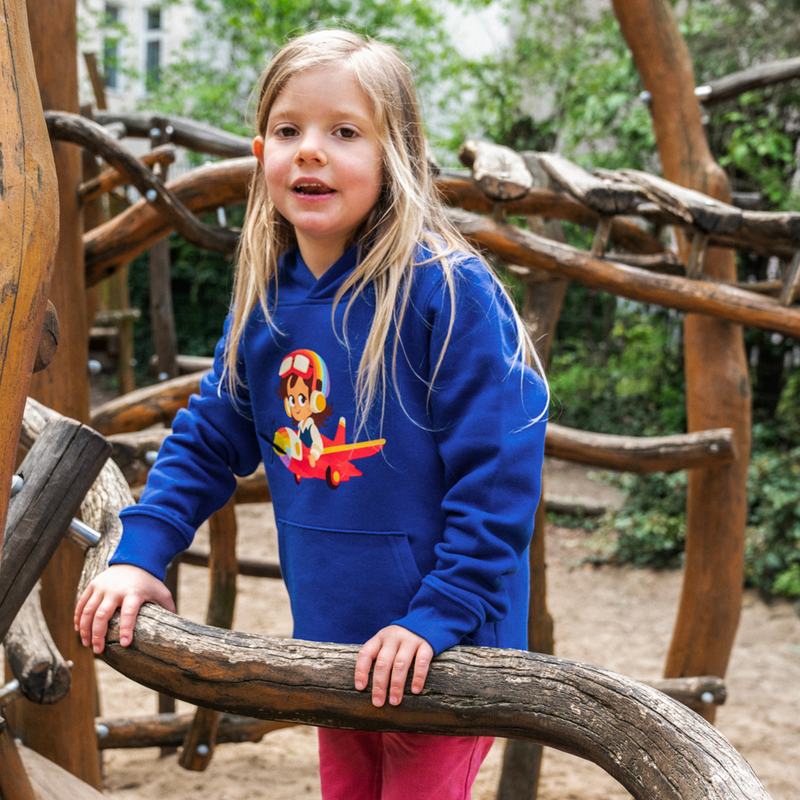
x=718, y=387
x=64, y=732
x=57, y=472
x=522, y=761
x=29, y=214
x=198, y=746
x=14, y=781
x=162, y=316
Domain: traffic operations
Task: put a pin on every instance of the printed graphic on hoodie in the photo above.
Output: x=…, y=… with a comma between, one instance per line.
x=303, y=450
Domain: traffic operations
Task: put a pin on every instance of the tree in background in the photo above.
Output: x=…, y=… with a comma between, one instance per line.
x=233, y=40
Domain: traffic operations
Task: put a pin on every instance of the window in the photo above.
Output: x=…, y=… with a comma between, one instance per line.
x=152, y=48
x=111, y=46
x=153, y=64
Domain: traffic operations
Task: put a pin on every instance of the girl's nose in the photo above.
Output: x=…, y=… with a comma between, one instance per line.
x=310, y=147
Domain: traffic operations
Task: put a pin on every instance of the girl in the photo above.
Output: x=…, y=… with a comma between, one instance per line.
x=348, y=265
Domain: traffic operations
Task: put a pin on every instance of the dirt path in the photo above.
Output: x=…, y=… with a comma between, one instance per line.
x=617, y=618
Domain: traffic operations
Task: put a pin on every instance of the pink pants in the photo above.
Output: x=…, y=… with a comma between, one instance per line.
x=362, y=765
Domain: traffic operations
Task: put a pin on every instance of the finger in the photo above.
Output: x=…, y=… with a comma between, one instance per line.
x=76, y=619
x=422, y=663
x=100, y=623
x=400, y=666
x=87, y=617
x=381, y=672
x=127, y=618
x=366, y=655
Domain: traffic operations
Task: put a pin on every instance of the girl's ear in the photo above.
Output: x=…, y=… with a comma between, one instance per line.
x=258, y=149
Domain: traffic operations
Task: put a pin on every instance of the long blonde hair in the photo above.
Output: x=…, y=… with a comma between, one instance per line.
x=408, y=212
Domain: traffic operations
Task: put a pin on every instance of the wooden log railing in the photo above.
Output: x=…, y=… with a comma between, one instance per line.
x=43, y=674
x=182, y=131
x=756, y=77
x=79, y=130
x=169, y=730
x=653, y=746
x=516, y=246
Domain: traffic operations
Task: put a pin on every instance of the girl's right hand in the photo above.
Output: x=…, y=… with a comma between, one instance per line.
x=120, y=586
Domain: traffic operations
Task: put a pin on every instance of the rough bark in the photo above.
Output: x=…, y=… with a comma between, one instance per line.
x=64, y=732
x=29, y=214
x=32, y=656
x=707, y=297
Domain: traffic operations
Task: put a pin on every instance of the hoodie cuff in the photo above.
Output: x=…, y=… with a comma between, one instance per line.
x=439, y=619
x=150, y=541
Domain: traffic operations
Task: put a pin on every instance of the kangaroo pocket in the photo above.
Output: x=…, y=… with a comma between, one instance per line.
x=344, y=586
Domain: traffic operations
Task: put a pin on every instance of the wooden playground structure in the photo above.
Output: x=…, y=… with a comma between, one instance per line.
x=247, y=685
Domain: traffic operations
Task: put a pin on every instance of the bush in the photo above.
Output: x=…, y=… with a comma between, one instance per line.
x=650, y=529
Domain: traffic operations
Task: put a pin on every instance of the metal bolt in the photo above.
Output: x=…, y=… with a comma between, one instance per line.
x=82, y=535
x=202, y=749
x=17, y=483
x=163, y=376
x=95, y=367
x=707, y=697
x=101, y=730
x=150, y=457
x=169, y=130
x=151, y=195
x=155, y=132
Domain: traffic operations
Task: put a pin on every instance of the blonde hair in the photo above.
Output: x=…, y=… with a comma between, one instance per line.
x=408, y=212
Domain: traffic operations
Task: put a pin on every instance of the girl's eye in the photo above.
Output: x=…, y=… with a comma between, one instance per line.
x=285, y=132
x=347, y=133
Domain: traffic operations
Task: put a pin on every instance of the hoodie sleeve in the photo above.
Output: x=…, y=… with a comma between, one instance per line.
x=488, y=414
x=212, y=441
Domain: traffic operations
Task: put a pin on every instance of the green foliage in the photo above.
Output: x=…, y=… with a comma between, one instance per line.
x=201, y=290
x=772, y=555
x=215, y=75
x=631, y=381
x=568, y=83
x=649, y=530
x=755, y=145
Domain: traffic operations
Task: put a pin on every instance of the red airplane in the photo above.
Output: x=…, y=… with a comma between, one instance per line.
x=333, y=465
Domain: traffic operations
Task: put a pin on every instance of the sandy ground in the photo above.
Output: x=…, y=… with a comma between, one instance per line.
x=617, y=618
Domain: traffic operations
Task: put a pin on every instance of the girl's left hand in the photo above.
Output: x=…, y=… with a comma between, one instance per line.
x=393, y=649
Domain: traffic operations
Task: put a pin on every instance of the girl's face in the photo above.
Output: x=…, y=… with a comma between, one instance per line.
x=322, y=161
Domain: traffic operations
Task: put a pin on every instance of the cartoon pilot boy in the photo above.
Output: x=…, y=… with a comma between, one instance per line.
x=304, y=389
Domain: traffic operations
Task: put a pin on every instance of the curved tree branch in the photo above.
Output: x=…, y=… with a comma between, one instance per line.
x=81, y=131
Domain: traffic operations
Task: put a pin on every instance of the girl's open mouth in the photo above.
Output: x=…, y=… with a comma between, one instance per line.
x=311, y=189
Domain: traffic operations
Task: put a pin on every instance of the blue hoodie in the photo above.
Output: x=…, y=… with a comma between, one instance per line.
x=426, y=519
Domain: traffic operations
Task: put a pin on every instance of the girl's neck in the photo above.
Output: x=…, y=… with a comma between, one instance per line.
x=319, y=258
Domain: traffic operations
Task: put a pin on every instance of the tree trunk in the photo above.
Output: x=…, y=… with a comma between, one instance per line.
x=718, y=388
x=64, y=732
x=29, y=214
